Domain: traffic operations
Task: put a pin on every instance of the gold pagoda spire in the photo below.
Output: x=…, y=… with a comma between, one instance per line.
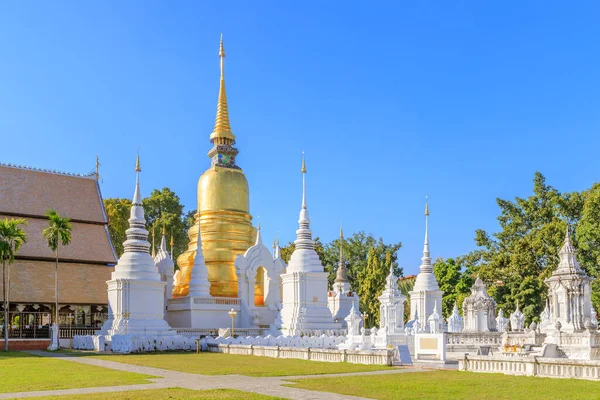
x=222, y=128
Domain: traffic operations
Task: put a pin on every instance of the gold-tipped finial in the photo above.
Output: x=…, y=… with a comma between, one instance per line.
x=341, y=232
x=164, y=231
x=426, y=207
x=138, y=167
x=303, y=170
x=172, y=240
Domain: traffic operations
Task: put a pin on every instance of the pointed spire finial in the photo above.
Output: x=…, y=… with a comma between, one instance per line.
x=426, y=207
x=303, y=169
x=153, y=243
x=258, y=234
x=164, y=230
x=172, y=243
x=97, y=168
x=138, y=167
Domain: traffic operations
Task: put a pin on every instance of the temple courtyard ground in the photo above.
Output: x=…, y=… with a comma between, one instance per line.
x=76, y=375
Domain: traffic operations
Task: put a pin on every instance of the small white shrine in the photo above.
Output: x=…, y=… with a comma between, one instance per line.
x=391, y=309
x=257, y=261
x=426, y=294
x=501, y=322
x=517, y=320
x=455, y=321
x=305, y=282
x=136, y=291
x=479, y=310
x=341, y=298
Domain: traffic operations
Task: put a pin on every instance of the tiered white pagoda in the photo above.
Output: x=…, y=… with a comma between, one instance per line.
x=479, y=310
x=136, y=292
x=426, y=294
x=569, y=293
x=305, y=282
x=568, y=320
x=341, y=297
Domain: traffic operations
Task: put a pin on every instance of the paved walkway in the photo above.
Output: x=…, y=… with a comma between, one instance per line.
x=272, y=386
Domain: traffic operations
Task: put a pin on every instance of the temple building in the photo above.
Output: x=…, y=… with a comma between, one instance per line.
x=84, y=265
x=223, y=210
x=426, y=294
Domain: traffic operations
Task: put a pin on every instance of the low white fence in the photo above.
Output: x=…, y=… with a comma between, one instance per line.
x=372, y=357
x=532, y=366
x=321, y=342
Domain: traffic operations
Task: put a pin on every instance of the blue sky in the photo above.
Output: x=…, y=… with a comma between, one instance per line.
x=392, y=101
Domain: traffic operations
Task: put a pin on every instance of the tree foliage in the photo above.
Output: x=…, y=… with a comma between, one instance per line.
x=117, y=211
x=515, y=260
x=162, y=209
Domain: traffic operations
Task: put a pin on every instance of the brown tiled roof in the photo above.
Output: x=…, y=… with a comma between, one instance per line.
x=29, y=193
x=89, y=243
x=26, y=191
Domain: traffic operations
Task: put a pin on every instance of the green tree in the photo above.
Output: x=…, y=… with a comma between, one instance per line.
x=588, y=239
x=406, y=286
x=12, y=237
x=58, y=232
x=117, y=211
x=162, y=209
x=455, y=280
x=518, y=258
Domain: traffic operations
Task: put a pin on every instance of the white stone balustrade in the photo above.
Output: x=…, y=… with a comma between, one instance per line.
x=532, y=366
x=371, y=357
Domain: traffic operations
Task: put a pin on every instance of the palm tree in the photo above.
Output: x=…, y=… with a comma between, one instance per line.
x=57, y=232
x=12, y=238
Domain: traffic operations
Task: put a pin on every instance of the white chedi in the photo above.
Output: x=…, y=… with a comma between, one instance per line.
x=426, y=294
x=305, y=282
x=455, y=321
x=501, y=322
x=479, y=309
x=136, y=292
x=199, y=284
x=517, y=320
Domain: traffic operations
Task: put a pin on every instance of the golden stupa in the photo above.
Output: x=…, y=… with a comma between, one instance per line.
x=223, y=210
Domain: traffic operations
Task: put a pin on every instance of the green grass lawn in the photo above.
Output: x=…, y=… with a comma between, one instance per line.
x=225, y=364
x=168, y=394
x=23, y=372
x=444, y=385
